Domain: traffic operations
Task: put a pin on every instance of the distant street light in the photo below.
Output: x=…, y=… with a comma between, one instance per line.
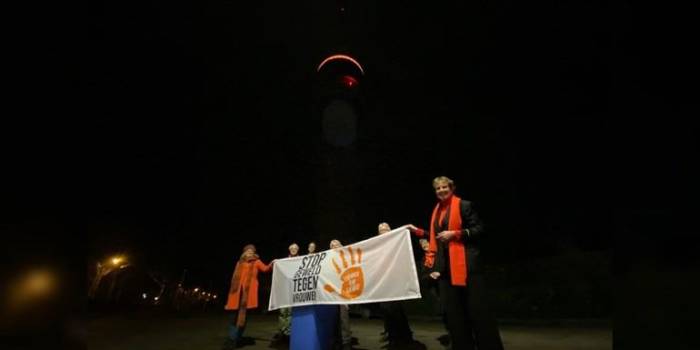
x=39, y=282
x=196, y=290
x=117, y=262
x=31, y=287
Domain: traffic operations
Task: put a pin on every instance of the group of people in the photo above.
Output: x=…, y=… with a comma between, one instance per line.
x=451, y=265
x=344, y=334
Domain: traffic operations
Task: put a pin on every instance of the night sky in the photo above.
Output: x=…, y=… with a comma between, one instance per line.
x=203, y=127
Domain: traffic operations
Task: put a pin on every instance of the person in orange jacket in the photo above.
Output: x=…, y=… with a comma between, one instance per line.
x=243, y=294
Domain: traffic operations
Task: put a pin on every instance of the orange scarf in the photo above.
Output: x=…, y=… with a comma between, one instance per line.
x=458, y=253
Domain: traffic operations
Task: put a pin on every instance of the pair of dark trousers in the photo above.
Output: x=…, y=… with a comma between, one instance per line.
x=468, y=320
x=234, y=333
x=396, y=322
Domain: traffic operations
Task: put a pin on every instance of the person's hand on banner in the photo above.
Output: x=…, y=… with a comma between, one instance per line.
x=434, y=275
x=445, y=236
x=412, y=228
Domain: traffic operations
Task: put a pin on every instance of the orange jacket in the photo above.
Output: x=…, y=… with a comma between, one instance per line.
x=247, y=277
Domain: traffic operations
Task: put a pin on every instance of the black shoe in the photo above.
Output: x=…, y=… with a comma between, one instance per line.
x=444, y=339
x=280, y=338
x=246, y=341
x=229, y=345
x=405, y=344
x=282, y=342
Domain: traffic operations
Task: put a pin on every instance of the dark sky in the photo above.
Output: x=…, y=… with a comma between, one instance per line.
x=203, y=129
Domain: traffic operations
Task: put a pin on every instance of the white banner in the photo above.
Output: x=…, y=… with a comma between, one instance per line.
x=377, y=269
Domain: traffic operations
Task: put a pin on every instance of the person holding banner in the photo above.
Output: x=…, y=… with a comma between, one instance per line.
x=311, y=248
x=377, y=269
x=431, y=284
x=243, y=293
x=398, y=332
x=344, y=314
x=427, y=266
x=285, y=317
x=454, y=234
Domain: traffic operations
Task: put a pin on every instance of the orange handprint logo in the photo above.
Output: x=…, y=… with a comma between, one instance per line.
x=351, y=277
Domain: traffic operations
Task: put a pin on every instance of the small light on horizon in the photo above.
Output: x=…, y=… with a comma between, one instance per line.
x=144, y=295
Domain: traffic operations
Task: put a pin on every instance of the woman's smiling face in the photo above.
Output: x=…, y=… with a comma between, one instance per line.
x=443, y=190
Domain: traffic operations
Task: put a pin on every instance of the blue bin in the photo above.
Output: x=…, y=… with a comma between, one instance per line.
x=313, y=327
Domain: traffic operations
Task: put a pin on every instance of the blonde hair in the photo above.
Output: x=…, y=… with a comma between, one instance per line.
x=293, y=245
x=444, y=179
x=335, y=240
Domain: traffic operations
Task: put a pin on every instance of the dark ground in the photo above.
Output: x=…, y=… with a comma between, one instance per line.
x=207, y=332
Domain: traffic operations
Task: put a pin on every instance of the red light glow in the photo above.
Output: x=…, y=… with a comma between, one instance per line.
x=348, y=81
